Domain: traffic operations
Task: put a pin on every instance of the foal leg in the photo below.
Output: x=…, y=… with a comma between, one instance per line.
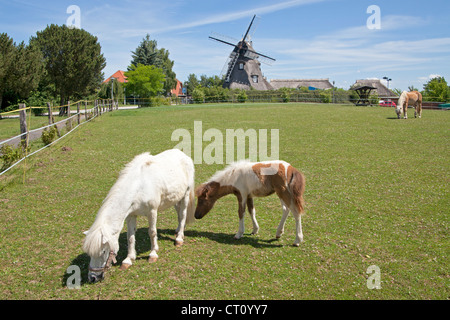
x=131, y=231
x=152, y=232
x=280, y=229
x=251, y=210
x=181, y=208
x=241, y=211
x=298, y=227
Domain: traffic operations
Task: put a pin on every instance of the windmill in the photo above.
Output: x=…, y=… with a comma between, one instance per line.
x=242, y=70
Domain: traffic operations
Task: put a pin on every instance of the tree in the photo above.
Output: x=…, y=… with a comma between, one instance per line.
x=436, y=89
x=209, y=82
x=144, y=81
x=7, y=50
x=148, y=54
x=73, y=61
x=28, y=69
x=21, y=68
x=191, y=83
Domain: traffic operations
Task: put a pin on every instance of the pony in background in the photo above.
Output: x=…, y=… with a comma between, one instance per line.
x=146, y=185
x=413, y=98
x=246, y=180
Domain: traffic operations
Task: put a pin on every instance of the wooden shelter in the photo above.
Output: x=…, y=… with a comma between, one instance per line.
x=363, y=92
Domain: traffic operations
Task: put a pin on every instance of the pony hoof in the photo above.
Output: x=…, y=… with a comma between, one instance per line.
x=152, y=259
x=125, y=266
x=178, y=243
x=296, y=245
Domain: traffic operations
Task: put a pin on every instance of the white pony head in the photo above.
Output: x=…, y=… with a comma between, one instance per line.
x=102, y=248
x=401, y=101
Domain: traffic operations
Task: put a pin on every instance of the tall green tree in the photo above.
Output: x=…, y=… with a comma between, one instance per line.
x=7, y=53
x=21, y=68
x=144, y=81
x=436, y=89
x=28, y=69
x=73, y=61
x=148, y=54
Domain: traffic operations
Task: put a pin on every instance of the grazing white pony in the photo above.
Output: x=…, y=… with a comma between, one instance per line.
x=148, y=184
x=246, y=180
x=413, y=98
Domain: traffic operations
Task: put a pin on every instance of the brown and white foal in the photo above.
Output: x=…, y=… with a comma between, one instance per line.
x=246, y=180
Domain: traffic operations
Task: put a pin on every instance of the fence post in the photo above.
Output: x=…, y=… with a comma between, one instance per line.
x=23, y=124
x=85, y=110
x=69, y=122
x=50, y=115
x=78, y=112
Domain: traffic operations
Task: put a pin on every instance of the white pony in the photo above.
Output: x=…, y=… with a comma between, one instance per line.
x=246, y=180
x=413, y=98
x=148, y=184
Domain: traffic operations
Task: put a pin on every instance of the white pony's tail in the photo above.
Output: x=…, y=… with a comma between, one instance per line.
x=191, y=205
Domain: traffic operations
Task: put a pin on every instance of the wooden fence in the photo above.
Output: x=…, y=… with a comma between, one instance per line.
x=97, y=108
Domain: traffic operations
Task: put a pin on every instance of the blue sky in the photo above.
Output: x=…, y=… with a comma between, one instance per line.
x=308, y=38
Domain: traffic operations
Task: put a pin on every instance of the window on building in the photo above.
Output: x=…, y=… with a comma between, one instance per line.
x=255, y=78
x=241, y=66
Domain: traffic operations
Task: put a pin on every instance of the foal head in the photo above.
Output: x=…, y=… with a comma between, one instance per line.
x=207, y=195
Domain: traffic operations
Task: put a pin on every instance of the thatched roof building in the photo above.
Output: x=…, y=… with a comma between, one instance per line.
x=382, y=91
x=298, y=83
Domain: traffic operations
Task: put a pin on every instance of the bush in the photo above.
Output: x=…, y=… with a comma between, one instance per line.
x=49, y=134
x=242, y=96
x=10, y=154
x=198, y=95
x=285, y=94
x=159, y=101
x=325, y=97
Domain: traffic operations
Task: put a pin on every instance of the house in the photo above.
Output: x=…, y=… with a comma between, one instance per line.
x=178, y=90
x=312, y=84
x=119, y=75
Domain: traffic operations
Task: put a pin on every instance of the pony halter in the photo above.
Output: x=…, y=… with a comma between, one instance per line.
x=109, y=261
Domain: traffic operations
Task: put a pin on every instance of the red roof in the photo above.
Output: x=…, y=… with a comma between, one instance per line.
x=119, y=76
x=178, y=90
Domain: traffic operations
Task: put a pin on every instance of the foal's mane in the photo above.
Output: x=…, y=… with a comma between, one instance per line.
x=224, y=176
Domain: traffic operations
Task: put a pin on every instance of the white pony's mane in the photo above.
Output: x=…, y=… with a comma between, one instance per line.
x=100, y=233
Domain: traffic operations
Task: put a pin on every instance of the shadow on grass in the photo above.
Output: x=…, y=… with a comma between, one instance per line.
x=143, y=246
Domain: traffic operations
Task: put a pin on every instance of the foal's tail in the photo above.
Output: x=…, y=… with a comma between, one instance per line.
x=297, y=187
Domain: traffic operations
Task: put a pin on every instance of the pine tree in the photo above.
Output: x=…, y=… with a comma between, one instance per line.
x=148, y=54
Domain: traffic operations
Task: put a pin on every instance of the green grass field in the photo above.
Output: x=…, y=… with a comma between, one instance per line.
x=376, y=194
